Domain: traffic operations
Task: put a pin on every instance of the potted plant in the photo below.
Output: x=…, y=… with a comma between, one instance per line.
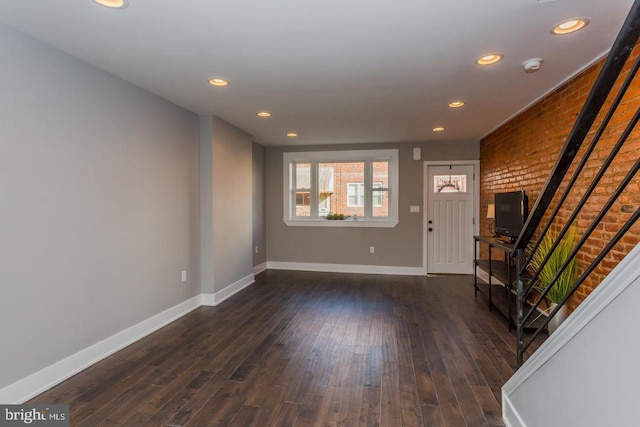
x=333, y=217
x=566, y=279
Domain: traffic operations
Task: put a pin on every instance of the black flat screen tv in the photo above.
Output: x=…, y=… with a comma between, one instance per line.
x=511, y=212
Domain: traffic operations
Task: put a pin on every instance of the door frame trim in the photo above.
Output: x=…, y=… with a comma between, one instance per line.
x=425, y=199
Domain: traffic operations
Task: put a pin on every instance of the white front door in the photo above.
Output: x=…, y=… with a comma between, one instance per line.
x=450, y=223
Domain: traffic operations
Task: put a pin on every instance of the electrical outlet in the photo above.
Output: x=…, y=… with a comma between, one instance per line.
x=184, y=275
x=372, y=249
x=414, y=209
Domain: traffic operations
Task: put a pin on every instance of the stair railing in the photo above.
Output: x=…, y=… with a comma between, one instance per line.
x=552, y=210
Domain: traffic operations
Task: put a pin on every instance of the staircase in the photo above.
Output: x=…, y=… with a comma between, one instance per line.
x=586, y=373
x=592, y=194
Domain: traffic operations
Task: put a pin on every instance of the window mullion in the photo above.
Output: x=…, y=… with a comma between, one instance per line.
x=368, y=194
x=314, y=197
x=292, y=190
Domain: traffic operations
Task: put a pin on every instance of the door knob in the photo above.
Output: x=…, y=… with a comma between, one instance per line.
x=430, y=222
x=430, y=229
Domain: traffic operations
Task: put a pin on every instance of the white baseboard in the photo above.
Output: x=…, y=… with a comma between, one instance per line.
x=346, y=268
x=257, y=269
x=36, y=383
x=234, y=288
x=208, y=300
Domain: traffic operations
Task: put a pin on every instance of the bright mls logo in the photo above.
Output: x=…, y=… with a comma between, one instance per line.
x=34, y=415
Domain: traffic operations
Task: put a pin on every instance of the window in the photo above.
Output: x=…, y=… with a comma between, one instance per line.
x=378, y=195
x=303, y=189
x=355, y=194
x=450, y=184
x=359, y=185
x=303, y=206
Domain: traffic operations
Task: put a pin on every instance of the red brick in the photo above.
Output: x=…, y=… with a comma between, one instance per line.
x=520, y=155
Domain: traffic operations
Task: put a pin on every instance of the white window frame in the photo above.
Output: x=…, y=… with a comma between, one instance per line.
x=359, y=193
x=377, y=185
x=315, y=157
x=326, y=208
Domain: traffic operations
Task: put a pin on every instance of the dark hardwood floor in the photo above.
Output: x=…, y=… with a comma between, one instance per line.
x=310, y=349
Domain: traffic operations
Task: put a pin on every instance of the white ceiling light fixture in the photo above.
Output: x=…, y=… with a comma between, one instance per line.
x=113, y=4
x=438, y=129
x=570, y=26
x=264, y=114
x=218, y=82
x=489, y=58
x=292, y=134
x=456, y=104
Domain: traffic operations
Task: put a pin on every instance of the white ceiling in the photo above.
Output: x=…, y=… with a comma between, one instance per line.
x=335, y=71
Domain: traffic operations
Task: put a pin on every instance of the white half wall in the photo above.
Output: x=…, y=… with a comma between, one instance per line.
x=587, y=373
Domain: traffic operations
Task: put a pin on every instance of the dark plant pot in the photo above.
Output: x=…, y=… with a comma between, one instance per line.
x=557, y=320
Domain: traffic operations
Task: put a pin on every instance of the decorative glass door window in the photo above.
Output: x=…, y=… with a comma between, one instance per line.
x=450, y=183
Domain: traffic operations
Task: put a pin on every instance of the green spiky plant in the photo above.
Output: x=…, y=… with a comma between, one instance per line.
x=570, y=274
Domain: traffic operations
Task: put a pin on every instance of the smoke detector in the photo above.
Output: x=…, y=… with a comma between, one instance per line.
x=532, y=65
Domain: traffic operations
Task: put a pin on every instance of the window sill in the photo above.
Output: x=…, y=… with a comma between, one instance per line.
x=340, y=223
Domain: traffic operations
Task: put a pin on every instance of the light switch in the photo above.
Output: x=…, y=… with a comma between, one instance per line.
x=414, y=209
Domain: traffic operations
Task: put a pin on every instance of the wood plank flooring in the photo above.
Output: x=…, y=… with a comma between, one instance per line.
x=310, y=349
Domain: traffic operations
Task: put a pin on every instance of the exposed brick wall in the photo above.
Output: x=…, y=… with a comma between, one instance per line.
x=520, y=155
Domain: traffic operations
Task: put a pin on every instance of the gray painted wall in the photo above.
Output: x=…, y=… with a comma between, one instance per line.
x=226, y=213
x=206, y=204
x=99, y=205
x=259, y=206
x=232, y=181
x=400, y=246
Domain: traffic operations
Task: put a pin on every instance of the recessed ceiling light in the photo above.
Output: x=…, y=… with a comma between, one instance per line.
x=438, y=129
x=490, y=58
x=113, y=4
x=264, y=114
x=218, y=82
x=456, y=104
x=570, y=26
x=292, y=134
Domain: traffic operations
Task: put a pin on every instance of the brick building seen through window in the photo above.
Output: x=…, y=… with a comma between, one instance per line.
x=341, y=188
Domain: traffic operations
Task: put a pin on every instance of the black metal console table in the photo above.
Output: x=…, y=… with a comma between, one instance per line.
x=501, y=268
